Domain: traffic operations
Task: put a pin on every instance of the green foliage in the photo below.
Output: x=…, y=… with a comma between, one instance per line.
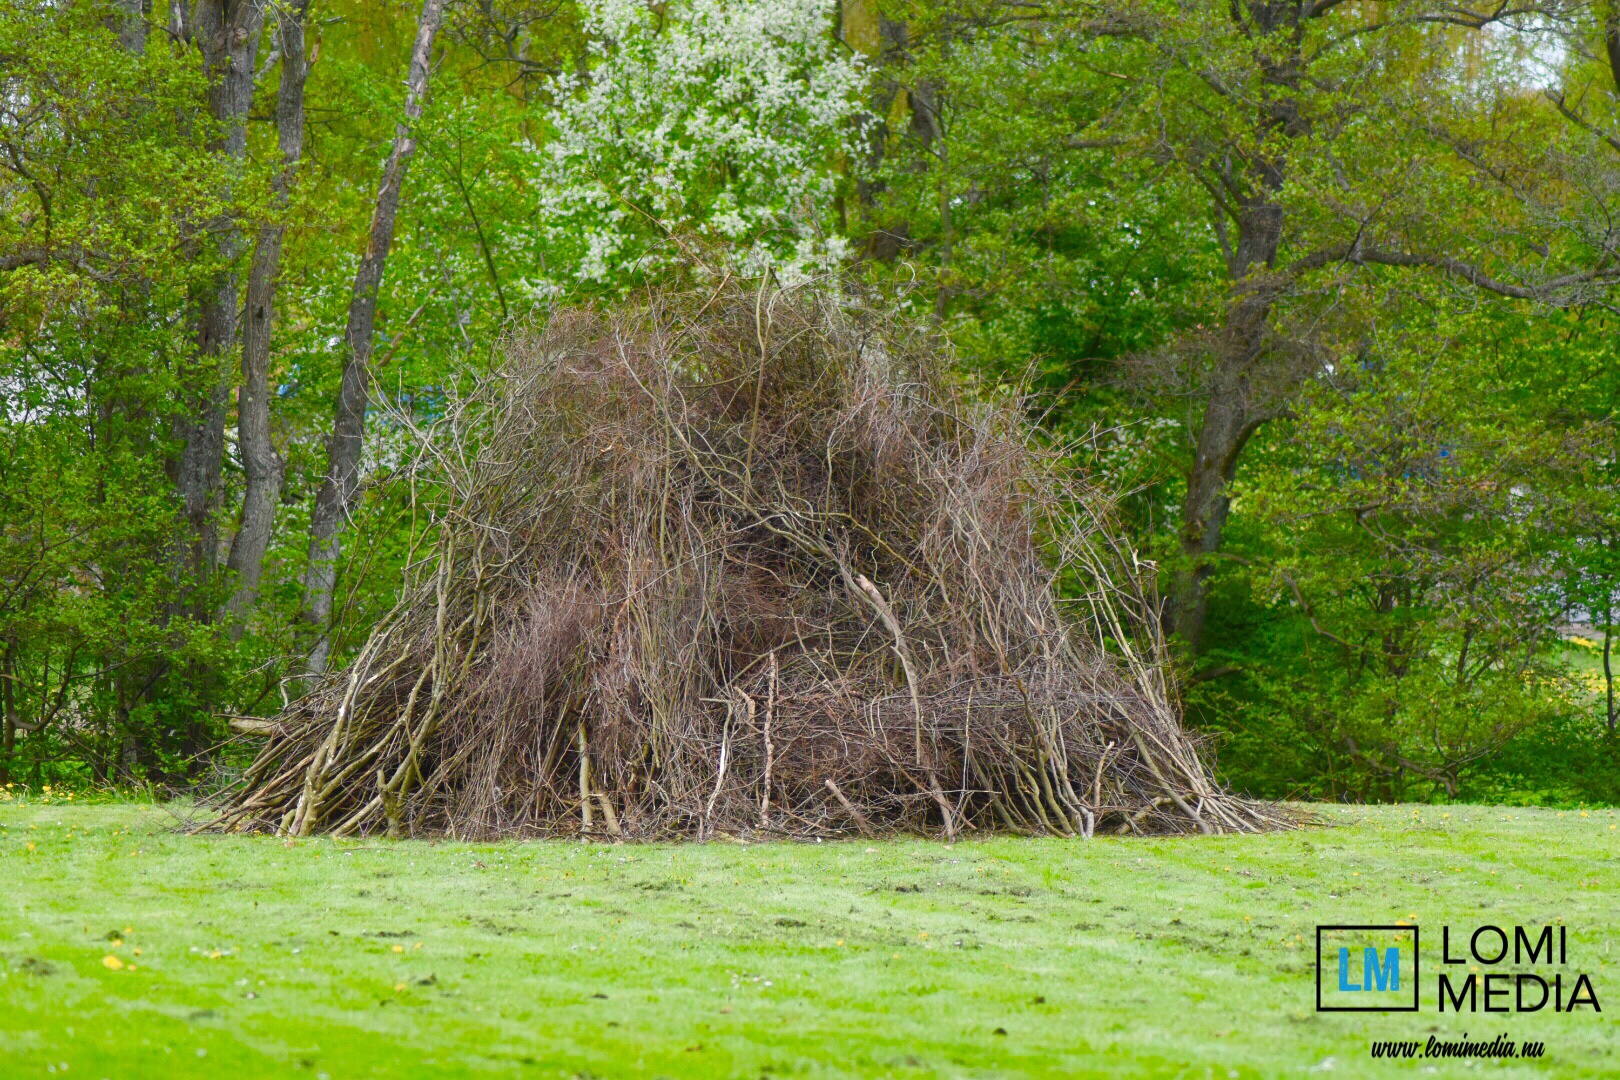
x=1421, y=499
x=1408, y=526
x=110, y=191
x=1425, y=503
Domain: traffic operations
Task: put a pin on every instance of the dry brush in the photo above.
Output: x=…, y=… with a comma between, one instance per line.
x=746, y=562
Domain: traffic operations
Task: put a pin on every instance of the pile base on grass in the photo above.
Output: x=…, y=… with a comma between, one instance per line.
x=746, y=562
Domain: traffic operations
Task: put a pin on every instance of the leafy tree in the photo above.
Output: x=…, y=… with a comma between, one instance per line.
x=703, y=118
x=1324, y=290
x=112, y=189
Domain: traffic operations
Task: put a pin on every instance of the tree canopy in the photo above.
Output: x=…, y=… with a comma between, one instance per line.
x=1324, y=291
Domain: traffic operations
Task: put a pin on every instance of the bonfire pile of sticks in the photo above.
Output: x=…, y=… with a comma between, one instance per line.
x=746, y=562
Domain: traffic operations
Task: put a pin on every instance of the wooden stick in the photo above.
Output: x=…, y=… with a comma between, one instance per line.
x=886, y=613
x=860, y=818
x=607, y=812
x=584, y=781
x=1203, y=826
x=770, y=750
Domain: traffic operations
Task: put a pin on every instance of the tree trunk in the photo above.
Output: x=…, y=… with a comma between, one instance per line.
x=1608, y=653
x=1231, y=416
x=1611, y=39
x=1226, y=429
x=335, y=500
x=8, y=709
x=178, y=28
x=1232, y=412
x=261, y=465
x=129, y=21
x=227, y=32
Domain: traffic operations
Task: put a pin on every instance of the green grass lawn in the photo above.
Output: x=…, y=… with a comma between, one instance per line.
x=248, y=957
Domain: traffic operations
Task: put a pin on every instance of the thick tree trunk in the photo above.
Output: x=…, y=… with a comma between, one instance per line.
x=1234, y=409
x=129, y=21
x=333, y=503
x=261, y=465
x=1231, y=416
x=1221, y=437
x=227, y=32
x=879, y=40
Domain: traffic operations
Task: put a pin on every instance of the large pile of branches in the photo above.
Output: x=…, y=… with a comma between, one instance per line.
x=746, y=563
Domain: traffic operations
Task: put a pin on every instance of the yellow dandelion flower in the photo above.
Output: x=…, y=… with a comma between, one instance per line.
x=112, y=962
x=399, y=948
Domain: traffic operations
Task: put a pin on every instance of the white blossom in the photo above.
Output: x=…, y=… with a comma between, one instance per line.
x=718, y=119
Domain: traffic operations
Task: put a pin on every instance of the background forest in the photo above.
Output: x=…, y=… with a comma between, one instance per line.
x=1325, y=290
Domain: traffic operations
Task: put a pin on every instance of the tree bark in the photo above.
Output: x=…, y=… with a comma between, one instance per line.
x=1608, y=655
x=1232, y=413
x=227, y=32
x=1221, y=437
x=1611, y=39
x=335, y=499
x=1233, y=409
x=129, y=21
x=1608, y=676
x=8, y=709
x=262, y=466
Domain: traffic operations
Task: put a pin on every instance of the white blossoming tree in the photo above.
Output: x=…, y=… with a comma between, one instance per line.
x=721, y=120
